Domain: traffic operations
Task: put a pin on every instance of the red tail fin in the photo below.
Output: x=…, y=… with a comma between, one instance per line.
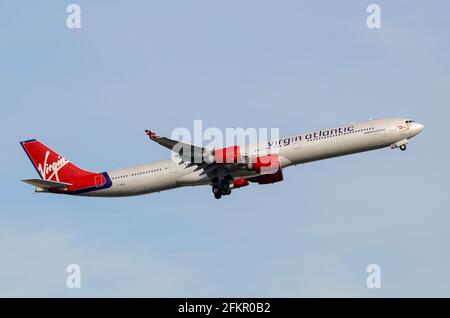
x=49, y=164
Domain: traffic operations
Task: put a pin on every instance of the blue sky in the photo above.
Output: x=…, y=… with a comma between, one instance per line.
x=294, y=65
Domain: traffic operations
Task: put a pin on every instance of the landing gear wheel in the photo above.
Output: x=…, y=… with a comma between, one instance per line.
x=221, y=188
x=216, y=189
x=402, y=147
x=225, y=188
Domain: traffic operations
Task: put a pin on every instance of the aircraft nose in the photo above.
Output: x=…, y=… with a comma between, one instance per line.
x=419, y=127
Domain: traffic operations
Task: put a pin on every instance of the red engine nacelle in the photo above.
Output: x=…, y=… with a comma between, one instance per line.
x=270, y=168
x=270, y=178
x=227, y=155
x=239, y=183
x=268, y=164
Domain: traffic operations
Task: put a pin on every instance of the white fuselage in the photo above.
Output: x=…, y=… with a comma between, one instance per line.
x=317, y=145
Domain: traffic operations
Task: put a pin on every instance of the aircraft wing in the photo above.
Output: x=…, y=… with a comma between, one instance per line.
x=187, y=152
x=46, y=184
x=203, y=157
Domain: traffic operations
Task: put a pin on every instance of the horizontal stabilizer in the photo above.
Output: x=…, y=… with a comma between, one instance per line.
x=46, y=184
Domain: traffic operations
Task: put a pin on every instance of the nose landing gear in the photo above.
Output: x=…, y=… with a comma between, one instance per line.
x=400, y=144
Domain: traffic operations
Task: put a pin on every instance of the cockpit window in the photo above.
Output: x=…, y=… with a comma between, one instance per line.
x=409, y=121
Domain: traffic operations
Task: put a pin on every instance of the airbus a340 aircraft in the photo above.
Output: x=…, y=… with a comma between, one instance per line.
x=223, y=169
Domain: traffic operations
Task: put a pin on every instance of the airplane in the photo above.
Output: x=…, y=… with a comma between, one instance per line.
x=224, y=169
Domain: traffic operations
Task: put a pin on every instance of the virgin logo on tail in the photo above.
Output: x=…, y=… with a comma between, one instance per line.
x=48, y=171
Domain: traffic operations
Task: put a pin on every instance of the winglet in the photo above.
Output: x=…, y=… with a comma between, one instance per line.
x=151, y=134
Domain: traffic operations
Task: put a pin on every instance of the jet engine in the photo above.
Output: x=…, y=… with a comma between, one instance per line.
x=227, y=155
x=270, y=178
x=239, y=183
x=269, y=166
